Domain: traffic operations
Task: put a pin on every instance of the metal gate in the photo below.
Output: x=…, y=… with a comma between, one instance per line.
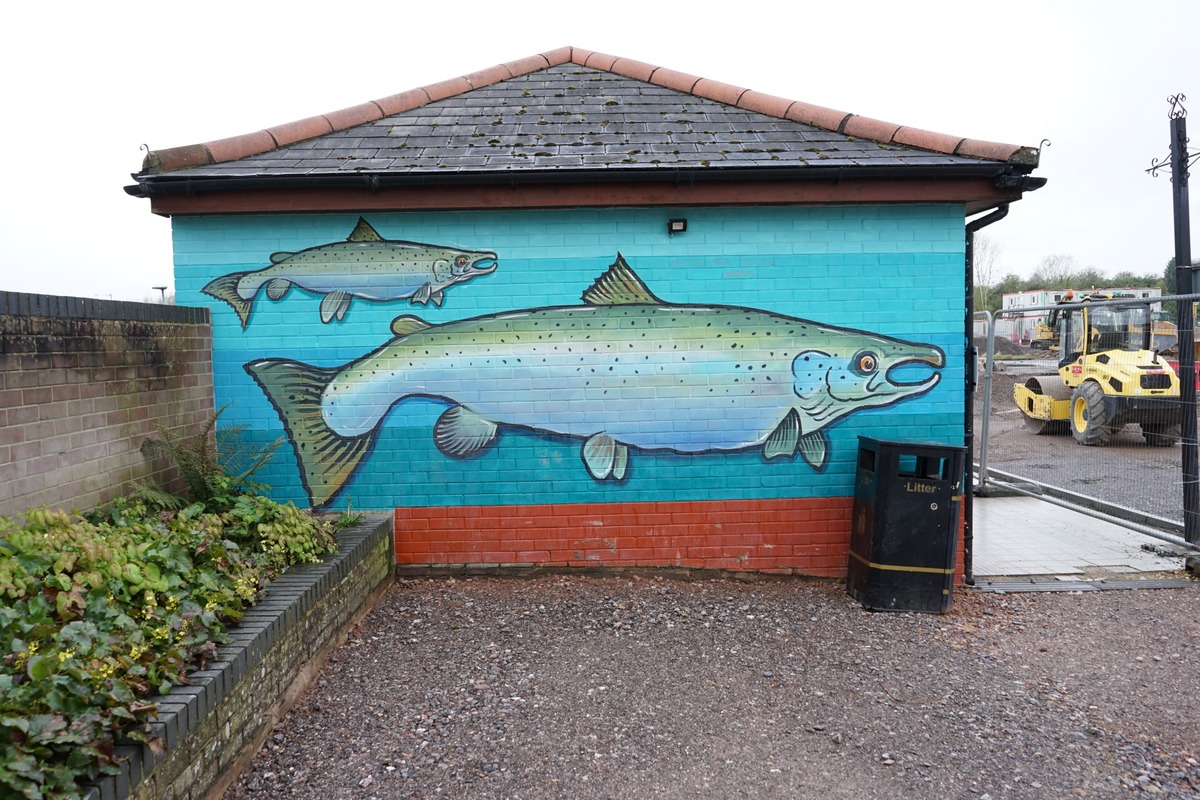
x=1132, y=480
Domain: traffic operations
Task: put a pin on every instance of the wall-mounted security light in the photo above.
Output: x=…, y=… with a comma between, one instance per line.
x=676, y=225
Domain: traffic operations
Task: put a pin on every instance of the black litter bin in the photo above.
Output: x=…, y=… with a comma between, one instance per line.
x=905, y=527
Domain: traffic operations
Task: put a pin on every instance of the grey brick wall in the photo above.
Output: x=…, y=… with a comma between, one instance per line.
x=83, y=384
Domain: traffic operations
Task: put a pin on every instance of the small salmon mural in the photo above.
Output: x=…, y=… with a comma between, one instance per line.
x=365, y=266
x=624, y=370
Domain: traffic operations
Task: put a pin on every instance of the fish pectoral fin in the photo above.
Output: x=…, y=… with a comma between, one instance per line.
x=605, y=457
x=814, y=447
x=620, y=462
x=334, y=305
x=437, y=297
x=422, y=295
x=784, y=440
x=460, y=433
x=619, y=286
x=278, y=287
x=363, y=232
x=406, y=324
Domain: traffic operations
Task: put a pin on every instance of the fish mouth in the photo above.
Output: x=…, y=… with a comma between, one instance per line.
x=907, y=372
x=483, y=264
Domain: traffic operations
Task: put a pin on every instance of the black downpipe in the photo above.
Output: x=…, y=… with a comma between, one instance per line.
x=969, y=416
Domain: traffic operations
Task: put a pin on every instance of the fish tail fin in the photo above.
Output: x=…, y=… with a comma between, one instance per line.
x=225, y=288
x=327, y=459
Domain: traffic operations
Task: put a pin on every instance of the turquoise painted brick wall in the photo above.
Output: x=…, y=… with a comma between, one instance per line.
x=892, y=270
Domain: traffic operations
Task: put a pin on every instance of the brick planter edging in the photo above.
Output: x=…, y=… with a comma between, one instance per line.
x=231, y=705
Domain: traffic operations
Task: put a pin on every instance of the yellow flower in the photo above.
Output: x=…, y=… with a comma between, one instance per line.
x=65, y=654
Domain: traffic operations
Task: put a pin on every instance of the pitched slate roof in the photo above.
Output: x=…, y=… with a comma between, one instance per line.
x=572, y=114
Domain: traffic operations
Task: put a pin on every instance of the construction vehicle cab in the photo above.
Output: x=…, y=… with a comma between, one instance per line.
x=1108, y=375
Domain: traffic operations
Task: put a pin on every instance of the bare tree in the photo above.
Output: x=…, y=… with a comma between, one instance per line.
x=986, y=257
x=1056, y=271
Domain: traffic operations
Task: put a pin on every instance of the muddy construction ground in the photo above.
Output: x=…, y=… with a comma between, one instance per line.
x=1126, y=471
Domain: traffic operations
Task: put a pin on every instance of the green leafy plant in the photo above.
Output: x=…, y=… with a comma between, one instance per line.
x=348, y=518
x=280, y=534
x=97, y=614
x=216, y=464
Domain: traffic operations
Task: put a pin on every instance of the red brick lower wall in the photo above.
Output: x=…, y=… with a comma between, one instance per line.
x=794, y=536
x=789, y=536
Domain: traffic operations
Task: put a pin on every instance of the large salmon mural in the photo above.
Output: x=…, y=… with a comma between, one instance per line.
x=623, y=371
x=365, y=266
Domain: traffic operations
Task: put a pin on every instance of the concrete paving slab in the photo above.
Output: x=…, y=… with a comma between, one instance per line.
x=1027, y=536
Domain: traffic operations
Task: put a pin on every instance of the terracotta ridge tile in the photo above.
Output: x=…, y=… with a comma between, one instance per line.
x=927, y=140
x=977, y=148
x=580, y=55
x=557, y=56
x=486, y=77
x=628, y=67
x=300, y=130
x=828, y=118
x=354, y=115
x=447, y=88
x=170, y=158
x=234, y=147
x=405, y=101
x=673, y=79
x=869, y=128
x=720, y=92
x=762, y=103
x=600, y=61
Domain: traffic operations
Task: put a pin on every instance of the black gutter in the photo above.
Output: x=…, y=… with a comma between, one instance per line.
x=969, y=412
x=1003, y=177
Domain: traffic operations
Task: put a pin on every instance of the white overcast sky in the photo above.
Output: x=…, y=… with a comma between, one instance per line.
x=86, y=84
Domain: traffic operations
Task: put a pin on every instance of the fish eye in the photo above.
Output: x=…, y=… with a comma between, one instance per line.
x=865, y=363
x=461, y=261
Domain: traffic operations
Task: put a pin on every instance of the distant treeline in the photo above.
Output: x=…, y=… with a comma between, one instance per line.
x=1062, y=272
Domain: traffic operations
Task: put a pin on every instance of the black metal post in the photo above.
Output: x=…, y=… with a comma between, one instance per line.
x=1185, y=284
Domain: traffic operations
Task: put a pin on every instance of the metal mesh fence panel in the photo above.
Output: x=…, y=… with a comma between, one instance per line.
x=1100, y=420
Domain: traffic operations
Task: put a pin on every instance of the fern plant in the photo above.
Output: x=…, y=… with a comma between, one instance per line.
x=217, y=465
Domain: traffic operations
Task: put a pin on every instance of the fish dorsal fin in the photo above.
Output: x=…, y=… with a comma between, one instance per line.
x=784, y=440
x=363, y=232
x=404, y=325
x=619, y=286
x=282, y=255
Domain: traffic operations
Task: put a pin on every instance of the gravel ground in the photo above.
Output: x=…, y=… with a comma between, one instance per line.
x=575, y=686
